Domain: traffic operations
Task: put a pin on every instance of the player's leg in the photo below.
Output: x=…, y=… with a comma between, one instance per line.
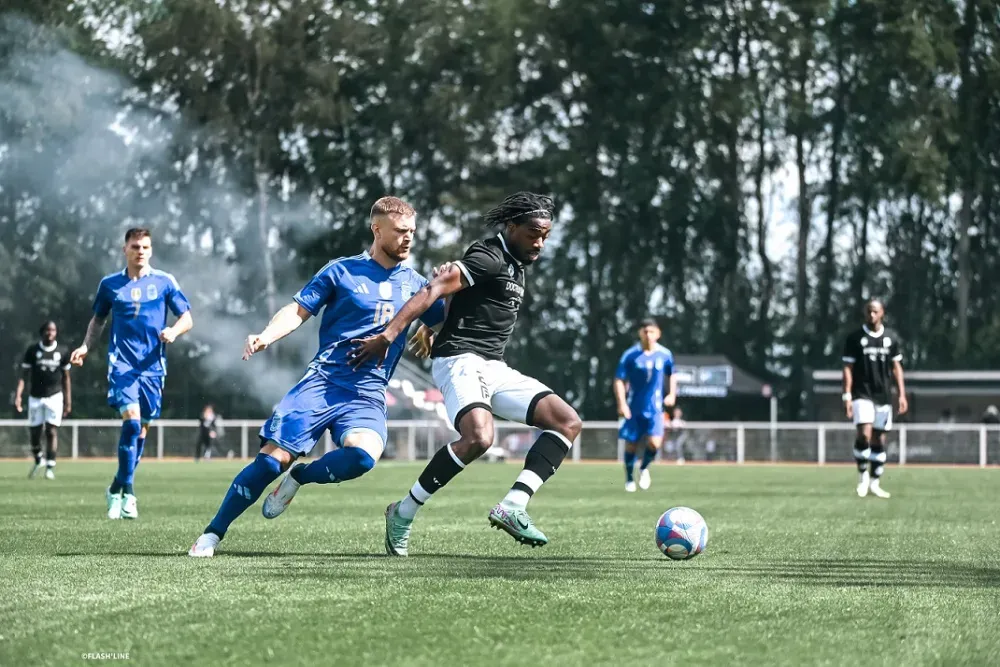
x=292, y=430
x=123, y=396
x=360, y=432
x=883, y=424
x=654, y=439
x=864, y=416
x=628, y=432
x=521, y=398
x=51, y=448
x=36, y=421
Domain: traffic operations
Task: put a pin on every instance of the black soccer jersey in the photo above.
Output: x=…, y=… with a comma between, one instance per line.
x=46, y=366
x=481, y=317
x=871, y=356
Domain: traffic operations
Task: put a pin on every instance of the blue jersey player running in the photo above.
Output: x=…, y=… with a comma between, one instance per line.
x=137, y=300
x=357, y=297
x=638, y=384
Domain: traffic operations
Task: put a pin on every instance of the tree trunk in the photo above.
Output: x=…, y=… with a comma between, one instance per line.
x=967, y=160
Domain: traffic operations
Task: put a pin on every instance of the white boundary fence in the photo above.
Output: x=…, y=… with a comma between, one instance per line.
x=803, y=442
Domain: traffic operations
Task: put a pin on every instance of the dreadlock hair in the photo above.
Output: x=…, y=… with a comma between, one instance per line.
x=520, y=207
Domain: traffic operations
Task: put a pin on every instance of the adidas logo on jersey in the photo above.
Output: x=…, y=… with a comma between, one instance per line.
x=361, y=289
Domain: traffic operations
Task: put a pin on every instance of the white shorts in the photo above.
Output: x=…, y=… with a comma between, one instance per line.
x=879, y=416
x=48, y=410
x=468, y=381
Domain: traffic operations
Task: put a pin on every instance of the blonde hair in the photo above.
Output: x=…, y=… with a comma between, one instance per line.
x=391, y=207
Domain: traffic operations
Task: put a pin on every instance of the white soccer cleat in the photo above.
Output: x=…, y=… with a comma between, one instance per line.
x=680, y=460
x=278, y=501
x=876, y=488
x=204, y=546
x=630, y=487
x=49, y=474
x=863, y=484
x=35, y=469
x=114, y=504
x=644, y=480
x=130, y=508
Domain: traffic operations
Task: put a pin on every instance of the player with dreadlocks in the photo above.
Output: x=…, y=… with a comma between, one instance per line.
x=487, y=289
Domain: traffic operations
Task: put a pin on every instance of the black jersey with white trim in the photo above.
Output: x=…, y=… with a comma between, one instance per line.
x=45, y=366
x=481, y=317
x=871, y=354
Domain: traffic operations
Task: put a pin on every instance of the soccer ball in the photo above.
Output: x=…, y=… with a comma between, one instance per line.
x=681, y=533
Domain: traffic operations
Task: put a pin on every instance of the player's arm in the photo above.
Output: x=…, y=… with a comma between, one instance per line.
x=22, y=380
x=671, y=398
x=446, y=283
x=897, y=372
x=94, y=330
x=67, y=387
x=180, y=327
x=848, y=357
x=284, y=322
x=620, y=386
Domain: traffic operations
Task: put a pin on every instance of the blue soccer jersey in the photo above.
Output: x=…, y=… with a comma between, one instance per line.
x=360, y=296
x=138, y=309
x=646, y=373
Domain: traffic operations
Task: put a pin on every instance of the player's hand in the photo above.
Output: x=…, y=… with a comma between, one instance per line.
x=18, y=405
x=904, y=405
x=67, y=408
x=78, y=355
x=670, y=400
x=849, y=409
x=421, y=342
x=254, y=344
x=168, y=335
x=366, y=349
x=624, y=412
x=444, y=268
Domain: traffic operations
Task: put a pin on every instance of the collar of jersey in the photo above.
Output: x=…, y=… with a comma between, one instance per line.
x=507, y=250
x=367, y=256
x=148, y=269
x=881, y=330
x=41, y=346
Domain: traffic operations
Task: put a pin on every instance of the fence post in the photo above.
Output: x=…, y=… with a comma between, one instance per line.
x=774, y=443
x=75, y=451
x=741, y=443
x=821, y=445
x=411, y=443
x=159, y=441
x=902, y=446
x=244, y=441
x=577, y=455
x=982, y=446
x=621, y=449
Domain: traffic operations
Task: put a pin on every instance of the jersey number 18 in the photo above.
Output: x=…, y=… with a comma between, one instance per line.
x=383, y=313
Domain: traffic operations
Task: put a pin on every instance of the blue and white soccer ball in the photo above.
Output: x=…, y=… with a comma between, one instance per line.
x=681, y=533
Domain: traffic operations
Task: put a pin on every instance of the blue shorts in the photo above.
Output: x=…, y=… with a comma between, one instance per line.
x=145, y=391
x=314, y=405
x=640, y=426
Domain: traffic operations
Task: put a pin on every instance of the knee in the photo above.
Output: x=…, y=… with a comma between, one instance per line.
x=131, y=428
x=567, y=423
x=360, y=462
x=475, y=443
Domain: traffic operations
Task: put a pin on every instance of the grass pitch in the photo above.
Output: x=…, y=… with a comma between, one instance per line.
x=798, y=571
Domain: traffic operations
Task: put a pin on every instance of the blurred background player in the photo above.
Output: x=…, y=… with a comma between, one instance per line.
x=678, y=436
x=487, y=289
x=209, y=430
x=45, y=367
x=137, y=299
x=357, y=296
x=871, y=360
x=638, y=384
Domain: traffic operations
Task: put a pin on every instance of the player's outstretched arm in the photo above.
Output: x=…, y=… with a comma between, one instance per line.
x=444, y=284
x=284, y=322
x=181, y=327
x=94, y=329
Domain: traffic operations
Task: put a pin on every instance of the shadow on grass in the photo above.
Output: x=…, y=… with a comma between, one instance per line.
x=863, y=573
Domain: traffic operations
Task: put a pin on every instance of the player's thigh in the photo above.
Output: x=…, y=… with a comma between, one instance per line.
x=518, y=397
x=52, y=409
x=302, y=416
x=654, y=431
x=864, y=412
x=464, y=385
x=36, y=412
x=883, y=419
x=150, y=397
x=629, y=431
x=360, y=422
x=123, y=395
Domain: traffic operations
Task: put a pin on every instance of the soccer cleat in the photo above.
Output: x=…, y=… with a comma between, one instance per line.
x=644, y=480
x=876, y=489
x=680, y=460
x=35, y=469
x=204, y=546
x=518, y=525
x=130, y=508
x=397, y=532
x=49, y=474
x=114, y=504
x=863, y=484
x=630, y=487
x=278, y=501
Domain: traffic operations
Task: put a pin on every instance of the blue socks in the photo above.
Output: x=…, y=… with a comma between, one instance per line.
x=629, y=465
x=339, y=465
x=648, y=455
x=127, y=456
x=139, y=444
x=244, y=492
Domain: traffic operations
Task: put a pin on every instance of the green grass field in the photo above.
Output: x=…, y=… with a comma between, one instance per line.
x=798, y=571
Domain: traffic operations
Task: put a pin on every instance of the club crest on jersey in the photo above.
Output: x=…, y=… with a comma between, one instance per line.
x=136, y=293
x=38, y=354
x=150, y=291
x=404, y=289
x=56, y=357
x=864, y=341
x=510, y=270
x=886, y=342
x=385, y=290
